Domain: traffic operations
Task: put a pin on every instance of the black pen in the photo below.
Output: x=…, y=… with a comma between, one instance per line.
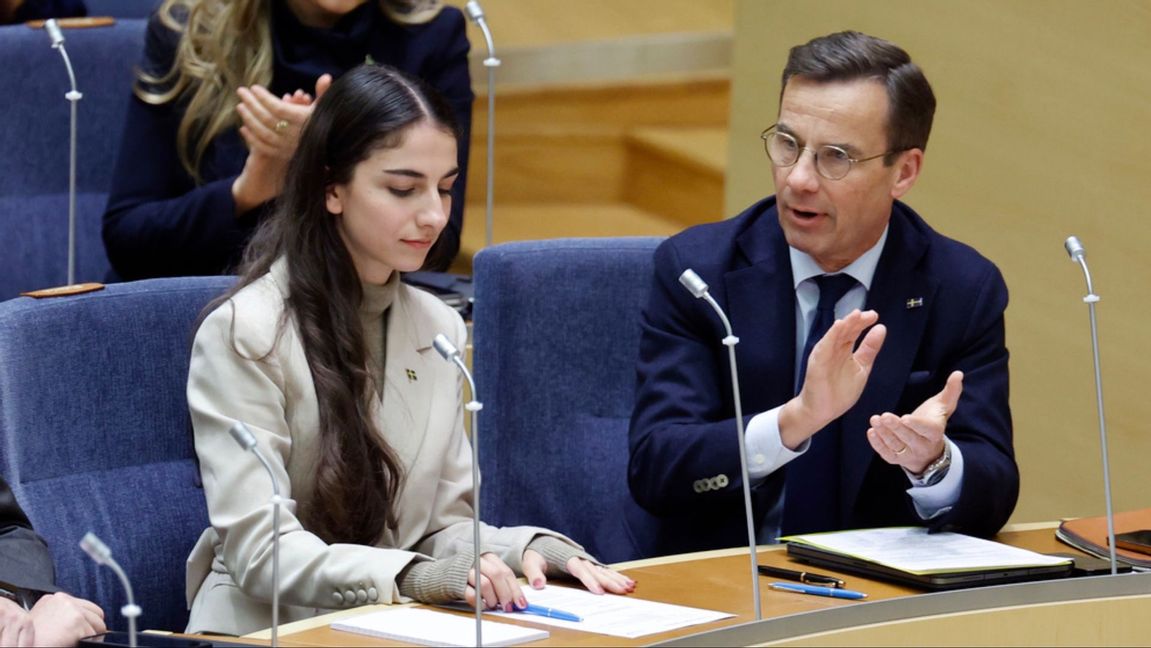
x=802, y=577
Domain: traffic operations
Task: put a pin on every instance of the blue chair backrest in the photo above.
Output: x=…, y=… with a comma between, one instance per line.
x=121, y=8
x=34, y=148
x=557, y=328
x=95, y=436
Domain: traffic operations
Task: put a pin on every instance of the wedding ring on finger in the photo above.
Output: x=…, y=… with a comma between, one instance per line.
x=901, y=450
x=282, y=126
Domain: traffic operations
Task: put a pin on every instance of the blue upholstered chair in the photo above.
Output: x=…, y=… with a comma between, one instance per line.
x=121, y=8
x=557, y=328
x=95, y=436
x=34, y=148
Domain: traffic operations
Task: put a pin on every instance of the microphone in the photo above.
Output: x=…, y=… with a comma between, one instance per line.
x=73, y=96
x=1074, y=249
x=698, y=289
x=247, y=441
x=102, y=555
x=450, y=353
x=1078, y=254
x=476, y=14
x=54, y=33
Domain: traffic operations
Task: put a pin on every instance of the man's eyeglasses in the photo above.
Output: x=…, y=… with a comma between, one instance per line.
x=832, y=162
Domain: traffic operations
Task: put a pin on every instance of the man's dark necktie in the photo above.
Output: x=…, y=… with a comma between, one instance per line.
x=811, y=494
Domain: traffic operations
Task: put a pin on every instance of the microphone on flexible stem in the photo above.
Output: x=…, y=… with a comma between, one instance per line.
x=450, y=353
x=698, y=288
x=102, y=555
x=73, y=96
x=476, y=14
x=247, y=441
x=1078, y=254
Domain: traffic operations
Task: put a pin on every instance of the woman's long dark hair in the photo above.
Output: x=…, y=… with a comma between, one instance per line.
x=358, y=475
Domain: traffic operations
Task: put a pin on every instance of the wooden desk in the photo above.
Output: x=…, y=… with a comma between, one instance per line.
x=1024, y=614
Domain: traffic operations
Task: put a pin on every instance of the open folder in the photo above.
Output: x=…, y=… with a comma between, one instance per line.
x=1090, y=535
x=934, y=561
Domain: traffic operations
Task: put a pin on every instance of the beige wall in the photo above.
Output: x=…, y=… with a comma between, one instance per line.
x=1041, y=132
x=534, y=23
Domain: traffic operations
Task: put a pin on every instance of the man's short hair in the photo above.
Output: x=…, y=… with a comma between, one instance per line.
x=851, y=55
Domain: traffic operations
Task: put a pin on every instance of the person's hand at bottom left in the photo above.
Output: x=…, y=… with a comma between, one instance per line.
x=61, y=620
x=16, y=628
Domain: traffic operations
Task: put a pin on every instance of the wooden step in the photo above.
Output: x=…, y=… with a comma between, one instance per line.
x=678, y=100
x=677, y=173
x=550, y=165
x=568, y=143
x=534, y=221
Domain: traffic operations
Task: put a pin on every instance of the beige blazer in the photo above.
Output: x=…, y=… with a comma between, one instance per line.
x=229, y=571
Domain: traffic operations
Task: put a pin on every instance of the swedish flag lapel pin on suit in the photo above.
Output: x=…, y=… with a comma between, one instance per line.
x=411, y=375
x=914, y=302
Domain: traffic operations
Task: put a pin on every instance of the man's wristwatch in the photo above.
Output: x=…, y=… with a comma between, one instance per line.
x=935, y=471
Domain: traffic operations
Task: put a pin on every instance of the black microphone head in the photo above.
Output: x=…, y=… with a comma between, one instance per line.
x=475, y=12
x=54, y=34
x=694, y=284
x=1074, y=248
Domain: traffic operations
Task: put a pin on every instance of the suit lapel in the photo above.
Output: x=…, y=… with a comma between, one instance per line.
x=409, y=378
x=902, y=296
x=760, y=298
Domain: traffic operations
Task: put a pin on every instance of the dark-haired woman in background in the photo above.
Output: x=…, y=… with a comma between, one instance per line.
x=327, y=357
x=223, y=90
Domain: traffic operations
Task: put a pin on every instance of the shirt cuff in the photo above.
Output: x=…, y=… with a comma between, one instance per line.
x=935, y=500
x=765, y=450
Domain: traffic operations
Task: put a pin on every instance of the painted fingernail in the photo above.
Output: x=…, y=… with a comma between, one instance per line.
x=522, y=603
x=538, y=583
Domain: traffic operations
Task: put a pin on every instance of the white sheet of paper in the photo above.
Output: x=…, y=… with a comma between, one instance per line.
x=431, y=628
x=618, y=616
x=914, y=550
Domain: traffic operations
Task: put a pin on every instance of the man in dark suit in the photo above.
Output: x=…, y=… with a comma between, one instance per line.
x=899, y=414
x=29, y=614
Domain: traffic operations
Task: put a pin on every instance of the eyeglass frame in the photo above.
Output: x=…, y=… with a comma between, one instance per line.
x=773, y=130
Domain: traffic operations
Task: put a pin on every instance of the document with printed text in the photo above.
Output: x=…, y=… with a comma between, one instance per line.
x=914, y=550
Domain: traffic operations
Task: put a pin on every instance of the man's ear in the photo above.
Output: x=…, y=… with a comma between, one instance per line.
x=908, y=167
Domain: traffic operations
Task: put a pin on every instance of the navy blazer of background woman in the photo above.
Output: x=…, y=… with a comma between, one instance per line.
x=160, y=223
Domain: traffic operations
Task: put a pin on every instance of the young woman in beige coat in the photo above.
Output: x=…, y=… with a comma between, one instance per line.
x=328, y=359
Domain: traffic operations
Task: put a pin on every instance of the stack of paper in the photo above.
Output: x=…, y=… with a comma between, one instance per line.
x=915, y=551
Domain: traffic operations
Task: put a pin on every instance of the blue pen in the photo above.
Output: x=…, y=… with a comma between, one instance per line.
x=815, y=590
x=551, y=613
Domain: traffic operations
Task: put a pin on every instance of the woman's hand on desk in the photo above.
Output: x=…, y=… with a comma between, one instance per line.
x=499, y=586
x=596, y=578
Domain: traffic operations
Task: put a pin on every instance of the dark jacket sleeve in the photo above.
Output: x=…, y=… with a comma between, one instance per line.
x=981, y=425
x=41, y=9
x=682, y=429
x=158, y=222
x=24, y=557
